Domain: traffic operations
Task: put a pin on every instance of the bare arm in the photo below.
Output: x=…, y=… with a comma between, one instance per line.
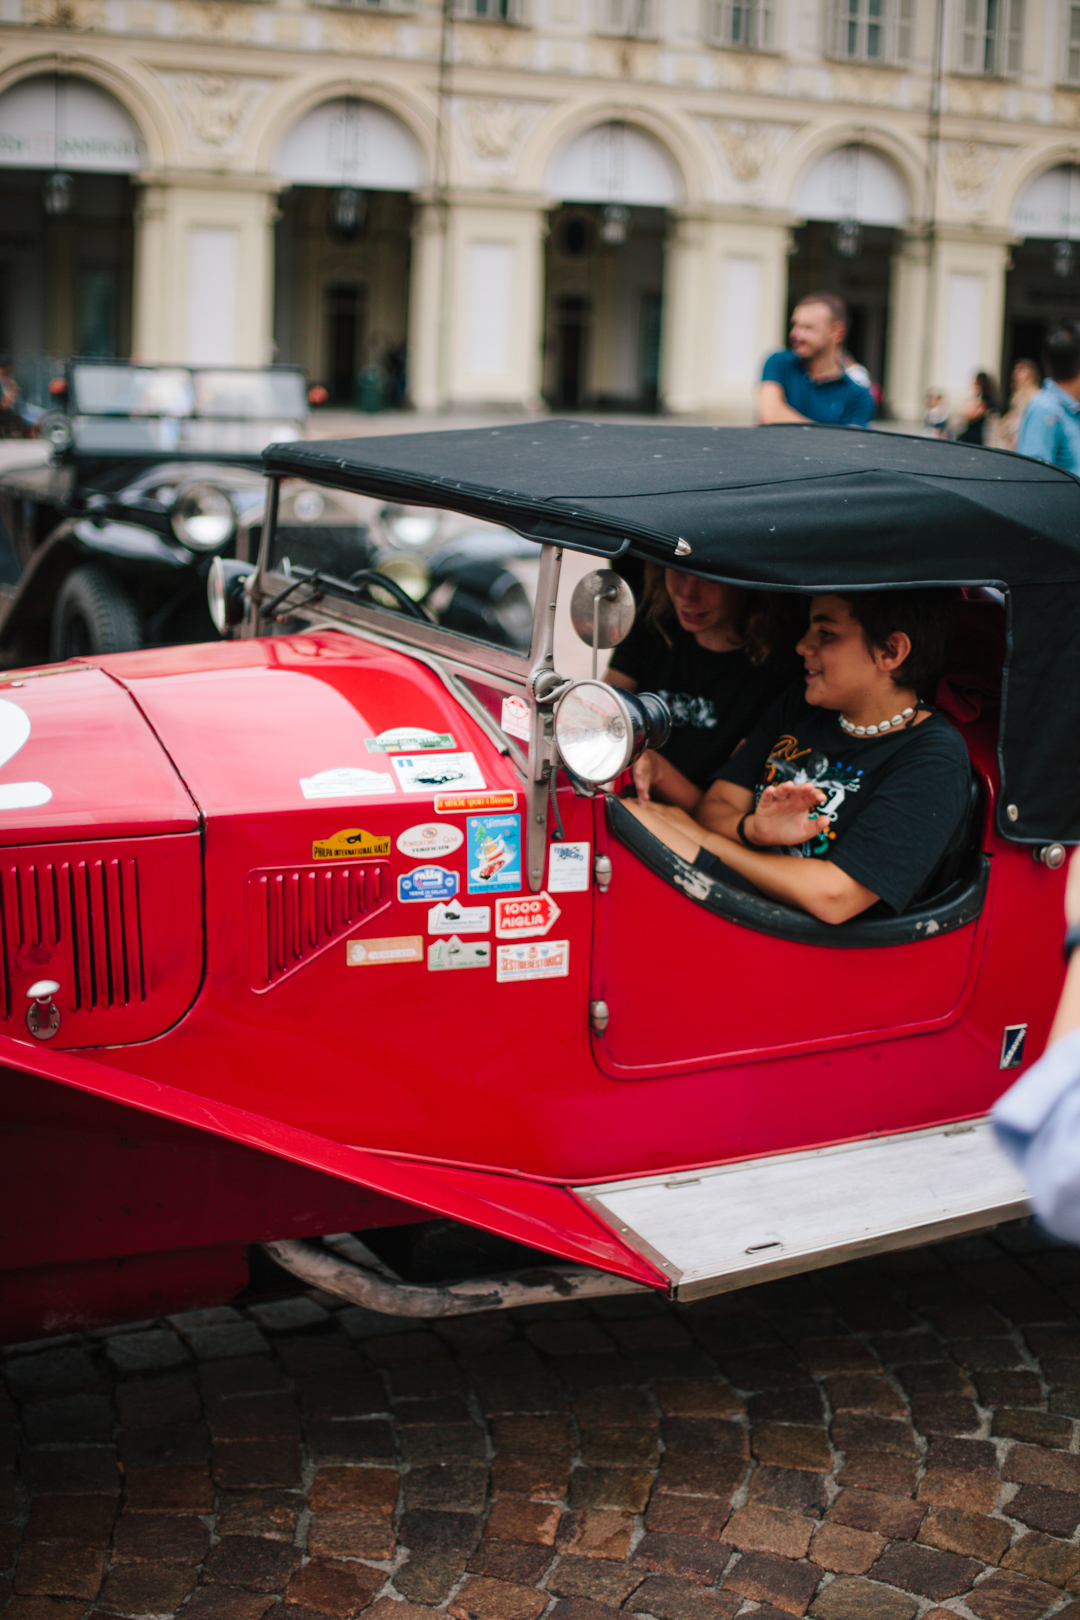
x=773, y=407
x=625, y=683
x=780, y=820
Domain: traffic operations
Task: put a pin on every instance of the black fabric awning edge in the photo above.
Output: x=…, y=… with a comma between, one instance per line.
x=534, y=520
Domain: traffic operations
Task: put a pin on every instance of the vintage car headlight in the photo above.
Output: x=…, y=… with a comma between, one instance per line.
x=225, y=592
x=600, y=730
x=410, y=527
x=203, y=517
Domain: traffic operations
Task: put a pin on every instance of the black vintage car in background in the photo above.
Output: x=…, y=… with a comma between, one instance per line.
x=154, y=471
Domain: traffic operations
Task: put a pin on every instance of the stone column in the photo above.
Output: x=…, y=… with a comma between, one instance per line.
x=491, y=302
x=907, y=355
x=967, y=306
x=204, y=270
x=427, y=344
x=725, y=298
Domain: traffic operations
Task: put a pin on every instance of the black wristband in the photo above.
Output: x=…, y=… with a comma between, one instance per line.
x=741, y=830
x=1071, y=940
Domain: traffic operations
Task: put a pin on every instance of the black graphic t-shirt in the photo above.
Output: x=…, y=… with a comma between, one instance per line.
x=894, y=804
x=715, y=698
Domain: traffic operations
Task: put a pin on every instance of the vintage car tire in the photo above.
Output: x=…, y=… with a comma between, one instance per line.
x=93, y=614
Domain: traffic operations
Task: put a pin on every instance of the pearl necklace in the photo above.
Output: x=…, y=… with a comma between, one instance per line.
x=882, y=725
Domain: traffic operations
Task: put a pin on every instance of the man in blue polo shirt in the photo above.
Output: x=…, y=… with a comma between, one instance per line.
x=807, y=382
x=1050, y=430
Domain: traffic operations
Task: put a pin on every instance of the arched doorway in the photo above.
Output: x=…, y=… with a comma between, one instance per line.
x=1043, y=285
x=342, y=250
x=67, y=151
x=854, y=202
x=604, y=269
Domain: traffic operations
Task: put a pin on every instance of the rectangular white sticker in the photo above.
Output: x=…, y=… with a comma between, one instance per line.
x=544, y=959
x=429, y=773
x=345, y=782
x=458, y=953
x=516, y=717
x=568, y=868
x=372, y=952
x=452, y=918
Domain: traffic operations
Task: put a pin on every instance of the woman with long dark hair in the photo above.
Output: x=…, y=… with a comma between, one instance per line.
x=717, y=654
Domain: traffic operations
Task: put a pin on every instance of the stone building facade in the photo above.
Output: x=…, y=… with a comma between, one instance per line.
x=600, y=203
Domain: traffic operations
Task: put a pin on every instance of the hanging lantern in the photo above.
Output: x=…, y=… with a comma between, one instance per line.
x=848, y=238
x=1063, y=258
x=614, y=224
x=57, y=194
x=348, y=210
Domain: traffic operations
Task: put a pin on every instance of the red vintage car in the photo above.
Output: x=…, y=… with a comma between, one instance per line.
x=328, y=938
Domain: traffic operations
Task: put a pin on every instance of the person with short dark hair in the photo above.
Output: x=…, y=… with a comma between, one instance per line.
x=808, y=381
x=1050, y=430
x=856, y=773
x=980, y=411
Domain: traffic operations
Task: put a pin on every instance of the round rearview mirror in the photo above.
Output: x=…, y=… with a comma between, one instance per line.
x=602, y=608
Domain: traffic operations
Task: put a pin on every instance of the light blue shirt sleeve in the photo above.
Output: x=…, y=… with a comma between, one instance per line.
x=1038, y=430
x=1038, y=1124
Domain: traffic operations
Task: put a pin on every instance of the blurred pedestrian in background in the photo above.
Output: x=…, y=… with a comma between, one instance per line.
x=808, y=381
x=980, y=411
x=1050, y=430
x=1026, y=381
x=1038, y=1120
x=936, y=416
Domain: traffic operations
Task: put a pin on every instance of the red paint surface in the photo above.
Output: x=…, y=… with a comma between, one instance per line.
x=455, y=1094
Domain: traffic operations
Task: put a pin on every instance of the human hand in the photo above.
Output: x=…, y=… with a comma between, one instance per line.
x=647, y=772
x=783, y=814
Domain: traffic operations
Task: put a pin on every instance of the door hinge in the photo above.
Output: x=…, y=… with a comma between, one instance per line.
x=602, y=872
x=598, y=1016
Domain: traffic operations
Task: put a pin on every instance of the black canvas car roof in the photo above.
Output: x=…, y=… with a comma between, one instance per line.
x=790, y=507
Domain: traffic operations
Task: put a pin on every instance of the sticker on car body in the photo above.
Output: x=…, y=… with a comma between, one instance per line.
x=448, y=804
x=427, y=883
x=375, y=952
x=345, y=782
x=525, y=916
x=408, y=740
x=430, y=838
x=418, y=773
x=352, y=843
x=458, y=953
x=493, y=860
x=568, y=868
x=451, y=917
x=516, y=719
x=546, y=959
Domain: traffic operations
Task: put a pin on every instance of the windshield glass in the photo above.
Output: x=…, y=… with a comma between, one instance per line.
x=174, y=391
x=471, y=577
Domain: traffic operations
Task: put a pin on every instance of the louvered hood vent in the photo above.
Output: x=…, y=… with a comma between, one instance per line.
x=118, y=924
x=297, y=912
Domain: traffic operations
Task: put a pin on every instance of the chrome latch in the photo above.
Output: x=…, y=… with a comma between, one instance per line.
x=1051, y=855
x=43, y=1015
x=598, y=1016
x=602, y=872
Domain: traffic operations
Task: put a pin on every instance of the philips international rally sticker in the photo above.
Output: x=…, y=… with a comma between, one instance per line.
x=352, y=842
x=545, y=959
x=568, y=868
x=493, y=857
x=421, y=773
x=408, y=740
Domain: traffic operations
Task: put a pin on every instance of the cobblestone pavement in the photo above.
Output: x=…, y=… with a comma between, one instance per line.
x=884, y=1440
